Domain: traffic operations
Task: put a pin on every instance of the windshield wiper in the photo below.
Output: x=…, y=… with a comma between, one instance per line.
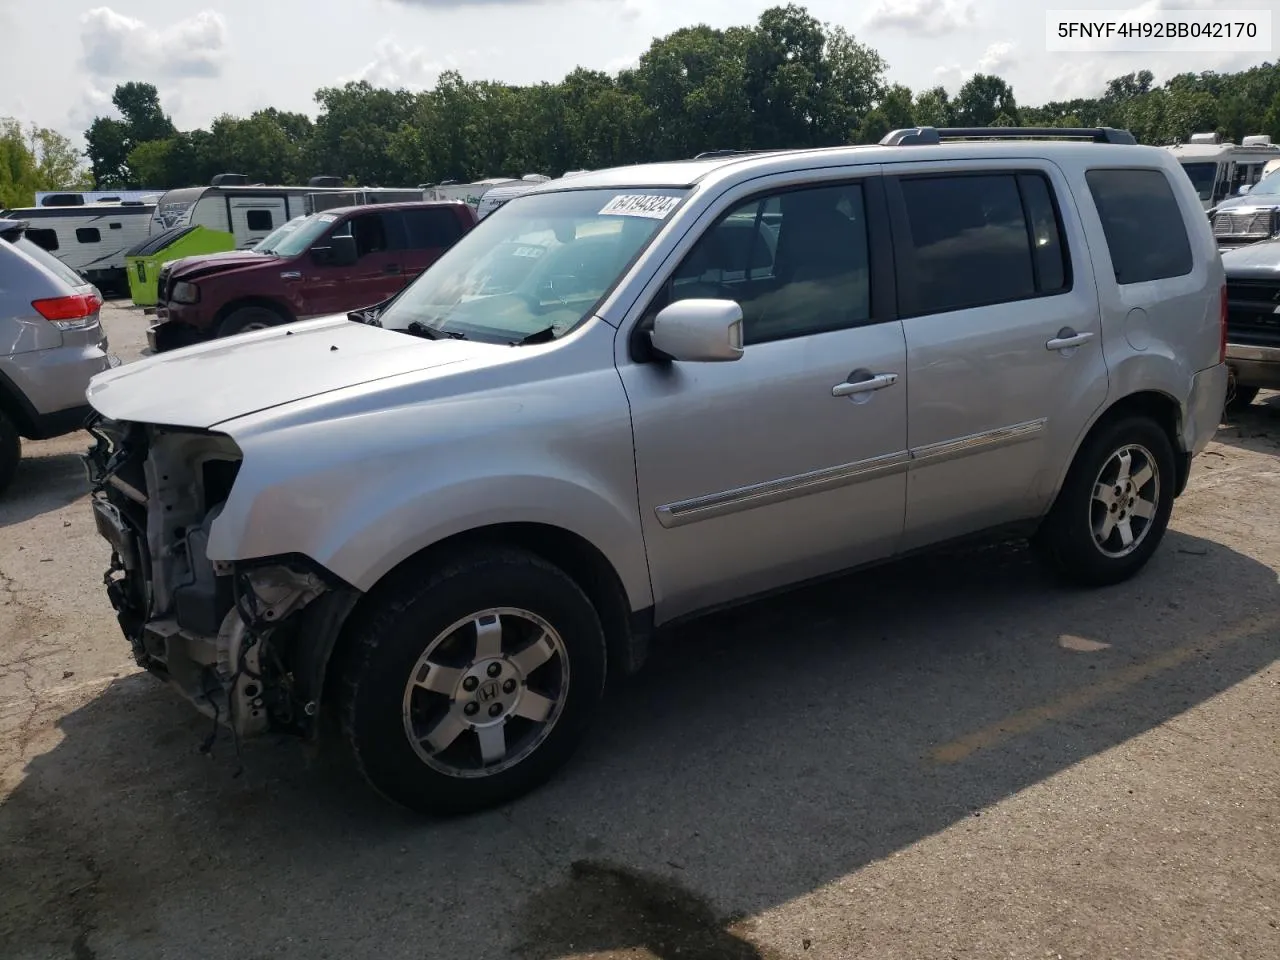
x=545, y=335
x=420, y=329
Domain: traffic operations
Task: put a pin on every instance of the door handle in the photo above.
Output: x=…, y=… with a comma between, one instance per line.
x=291, y=275
x=853, y=387
x=1068, y=338
x=391, y=268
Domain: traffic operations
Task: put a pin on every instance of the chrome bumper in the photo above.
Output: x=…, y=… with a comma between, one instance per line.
x=1255, y=366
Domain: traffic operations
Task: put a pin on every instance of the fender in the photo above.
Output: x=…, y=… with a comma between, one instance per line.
x=359, y=493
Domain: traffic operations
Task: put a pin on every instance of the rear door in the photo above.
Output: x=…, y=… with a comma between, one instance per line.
x=252, y=218
x=429, y=232
x=1004, y=339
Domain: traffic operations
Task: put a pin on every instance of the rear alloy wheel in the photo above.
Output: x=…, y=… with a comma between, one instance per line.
x=1114, y=507
x=473, y=686
x=10, y=449
x=247, y=319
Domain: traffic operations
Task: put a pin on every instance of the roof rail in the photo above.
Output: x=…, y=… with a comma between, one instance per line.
x=911, y=136
x=709, y=154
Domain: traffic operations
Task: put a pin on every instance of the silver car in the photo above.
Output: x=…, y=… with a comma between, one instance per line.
x=447, y=522
x=51, y=343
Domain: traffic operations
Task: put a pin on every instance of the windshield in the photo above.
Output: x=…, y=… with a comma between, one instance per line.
x=301, y=236
x=539, y=265
x=269, y=243
x=1202, y=177
x=1268, y=184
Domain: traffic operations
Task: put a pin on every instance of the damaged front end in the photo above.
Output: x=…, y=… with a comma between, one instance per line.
x=246, y=642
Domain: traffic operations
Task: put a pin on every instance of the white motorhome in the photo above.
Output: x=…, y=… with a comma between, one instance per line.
x=498, y=196
x=473, y=194
x=251, y=211
x=91, y=238
x=1219, y=168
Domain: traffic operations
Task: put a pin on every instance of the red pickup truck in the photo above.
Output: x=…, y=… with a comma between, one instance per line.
x=330, y=262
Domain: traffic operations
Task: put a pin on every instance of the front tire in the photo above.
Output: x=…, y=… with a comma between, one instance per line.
x=472, y=684
x=1114, y=507
x=10, y=450
x=246, y=319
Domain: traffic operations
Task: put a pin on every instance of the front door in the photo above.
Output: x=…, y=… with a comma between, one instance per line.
x=788, y=463
x=1004, y=341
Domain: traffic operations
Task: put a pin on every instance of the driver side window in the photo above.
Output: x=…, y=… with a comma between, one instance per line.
x=369, y=231
x=795, y=261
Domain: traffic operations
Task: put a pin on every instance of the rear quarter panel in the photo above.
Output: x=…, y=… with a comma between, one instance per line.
x=1157, y=334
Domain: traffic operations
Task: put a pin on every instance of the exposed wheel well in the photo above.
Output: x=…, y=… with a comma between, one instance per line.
x=1159, y=407
x=627, y=635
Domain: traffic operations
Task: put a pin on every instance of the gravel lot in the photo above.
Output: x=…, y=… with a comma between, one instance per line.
x=949, y=757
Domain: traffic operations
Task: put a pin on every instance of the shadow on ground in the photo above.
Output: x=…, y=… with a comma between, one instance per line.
x=44, y=482
x=763, y=754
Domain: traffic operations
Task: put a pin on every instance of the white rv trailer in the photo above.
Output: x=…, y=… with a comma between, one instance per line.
x=92, y=238
x=469, y=193
x=498, y=196
x=1219, y=168
x=250, y=212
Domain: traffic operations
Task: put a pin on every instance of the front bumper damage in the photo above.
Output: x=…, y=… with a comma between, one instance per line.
x=247, y=643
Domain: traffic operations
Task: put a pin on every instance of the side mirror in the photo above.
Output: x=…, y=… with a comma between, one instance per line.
x=1244, y=188
x=699, y=331
x=340, y=252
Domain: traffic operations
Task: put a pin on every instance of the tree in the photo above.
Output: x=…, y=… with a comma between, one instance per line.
x=108, y=152
x=894, y=111
x=982, y=99
x=139, y=104
x=36, y=159
x=933, y=108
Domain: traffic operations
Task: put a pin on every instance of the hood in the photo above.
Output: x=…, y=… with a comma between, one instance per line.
x=1262, y=201
x=188, y=268
x=1254, y=261
x=209, y=383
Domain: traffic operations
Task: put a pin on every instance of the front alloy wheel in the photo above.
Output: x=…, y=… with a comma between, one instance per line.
x=486, y=692
x=471, y=682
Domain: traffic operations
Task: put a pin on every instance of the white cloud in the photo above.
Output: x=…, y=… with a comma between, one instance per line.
x=394, y=67
x=998, y=57
x=92, y=102
x=120, y=46
x=618, y=64
x=929, y=18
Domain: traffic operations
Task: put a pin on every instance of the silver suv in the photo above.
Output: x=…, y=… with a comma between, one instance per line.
x=51, y=343
x=447, y=520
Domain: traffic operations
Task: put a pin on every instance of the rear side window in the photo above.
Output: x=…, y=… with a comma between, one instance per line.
x=979, y=240
x=258, y=220
x=88, y=235
x=49, y=261
x=44, y=239
x=1143, y=224
x=429, y=229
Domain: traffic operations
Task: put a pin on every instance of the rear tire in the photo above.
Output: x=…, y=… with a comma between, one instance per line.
x=471, y=684
x=246, y=319
x=10, y=449
x=1114, y=508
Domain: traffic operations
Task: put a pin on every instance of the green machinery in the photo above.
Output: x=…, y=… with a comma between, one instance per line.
x=143, y=261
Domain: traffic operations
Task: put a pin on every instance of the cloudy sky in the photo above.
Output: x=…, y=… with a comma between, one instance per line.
x=62, y=58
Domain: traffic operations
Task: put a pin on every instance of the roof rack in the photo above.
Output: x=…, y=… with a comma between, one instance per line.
x=710, y=154
x=912, y=136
